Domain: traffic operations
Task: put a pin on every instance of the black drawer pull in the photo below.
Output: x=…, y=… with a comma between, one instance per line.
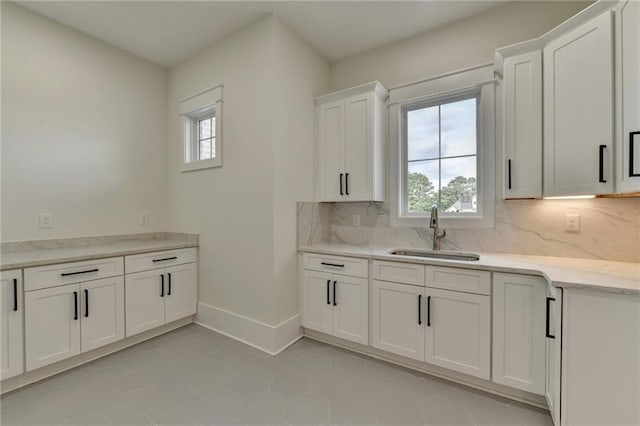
x=548, y=332
x=332, y=264
x=66, y=274
x=601, y=178
x=632, y=153
x=86, y=303
x=509, y=163
x=162, y=285
x=328, y=292
x=341, y=192
x=335, y=299
x=169, y=290
x=428, y=311
x=15, y=294
x=165, y=258
x=75, y=305
x=346, y=183
x=419, y=309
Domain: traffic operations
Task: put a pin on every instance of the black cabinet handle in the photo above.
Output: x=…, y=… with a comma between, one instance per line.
x=75, y=305
x=86, y=303
x=328, y=294
x=601, y=178
x=161, y=285
x=419, y=309
x=335, y=299
x=509, y=171
x=428, y=311
x=547, y=332
x=632, y=135
x=165, y=258
x=341, y=184
x=15, y=294
x=346, y=183
x=332, y=264
x=66, y=274
x=169, y=290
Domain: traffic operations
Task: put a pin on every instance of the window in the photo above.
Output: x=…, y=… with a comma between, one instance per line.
x=442, y=140
x=201, y=130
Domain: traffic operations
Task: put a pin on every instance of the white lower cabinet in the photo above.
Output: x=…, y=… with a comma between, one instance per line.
x=458, y=331
x=398, y=324
x=336, y=304
x=159, y=296
x=11, y=324
x=518, y=331
x=64, y=321
x=553, y=354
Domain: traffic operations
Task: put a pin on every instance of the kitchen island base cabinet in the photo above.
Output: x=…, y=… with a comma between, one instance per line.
x=600, y=358
x=159, y=296
x=11, y=323
x=519, y=331
x=458, y=332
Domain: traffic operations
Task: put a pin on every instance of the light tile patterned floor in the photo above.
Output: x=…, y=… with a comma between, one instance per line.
x=196, y=376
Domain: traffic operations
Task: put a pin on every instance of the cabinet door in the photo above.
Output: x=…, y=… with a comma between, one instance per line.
x=102, y=312
x=330, y=145
x=181, y=291
x=358, y=148
x=518, y=331
x=145, y=294
x=52, y=325
x=553, y=352
x=600, y=358
x=628, y=97
x=578, y=110
x=317, y=308
x=351, y=308
x=522, y=106
x=398, y=319
x=11, y=331
x=458, y=332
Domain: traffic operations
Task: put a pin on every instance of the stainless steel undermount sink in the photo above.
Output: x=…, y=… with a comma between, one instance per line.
x=451, y=255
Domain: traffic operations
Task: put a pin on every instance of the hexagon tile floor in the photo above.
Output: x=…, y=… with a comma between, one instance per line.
x=195, y=376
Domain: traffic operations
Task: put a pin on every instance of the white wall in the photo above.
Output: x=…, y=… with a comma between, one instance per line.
x=468, y=42
x=245, y=211
x=83, y=133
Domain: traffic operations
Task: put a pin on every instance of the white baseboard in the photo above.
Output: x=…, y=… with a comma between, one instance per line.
x=271, y=339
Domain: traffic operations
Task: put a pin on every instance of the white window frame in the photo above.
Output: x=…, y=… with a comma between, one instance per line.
x=475, y=81
x=192, y=109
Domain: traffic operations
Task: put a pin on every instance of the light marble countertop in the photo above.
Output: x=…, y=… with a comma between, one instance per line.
x=559, y=271
x=31, y=254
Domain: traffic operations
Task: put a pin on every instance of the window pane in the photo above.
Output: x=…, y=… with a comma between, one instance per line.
x=205, y=129
x=459, y=185
x=422, y=186
x=458, y=121
x=213, y=127
x=422, y=133
x=205, y=149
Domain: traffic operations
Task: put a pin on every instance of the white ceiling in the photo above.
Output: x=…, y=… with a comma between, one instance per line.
x=168, y=32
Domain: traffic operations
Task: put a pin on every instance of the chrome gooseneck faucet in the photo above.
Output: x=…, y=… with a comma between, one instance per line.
x=433, y=223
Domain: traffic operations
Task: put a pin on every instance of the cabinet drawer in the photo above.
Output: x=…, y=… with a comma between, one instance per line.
x=159, y=259
x=352, y=266
x=466, y=280
x=407, y=273
x=67, y=273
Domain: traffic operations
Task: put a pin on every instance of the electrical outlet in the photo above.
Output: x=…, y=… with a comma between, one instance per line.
x=144, y=218
x=45, y=220
x=572, y=222
x=356, y=220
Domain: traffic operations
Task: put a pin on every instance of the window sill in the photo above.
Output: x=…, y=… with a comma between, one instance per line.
x=201, y=165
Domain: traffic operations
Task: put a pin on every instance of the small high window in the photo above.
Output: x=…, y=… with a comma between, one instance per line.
x=201, y=130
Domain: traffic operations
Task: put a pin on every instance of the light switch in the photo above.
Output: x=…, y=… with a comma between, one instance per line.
x=356, y=220
x=572, y=222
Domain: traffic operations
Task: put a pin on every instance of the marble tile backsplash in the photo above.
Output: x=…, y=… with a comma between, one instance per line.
x=609, y=228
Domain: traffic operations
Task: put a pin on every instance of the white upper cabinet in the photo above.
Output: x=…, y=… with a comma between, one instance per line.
x=578, y=110
x=628, y=97
x=350, y=149
x=11, y=331
x=522, y=125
